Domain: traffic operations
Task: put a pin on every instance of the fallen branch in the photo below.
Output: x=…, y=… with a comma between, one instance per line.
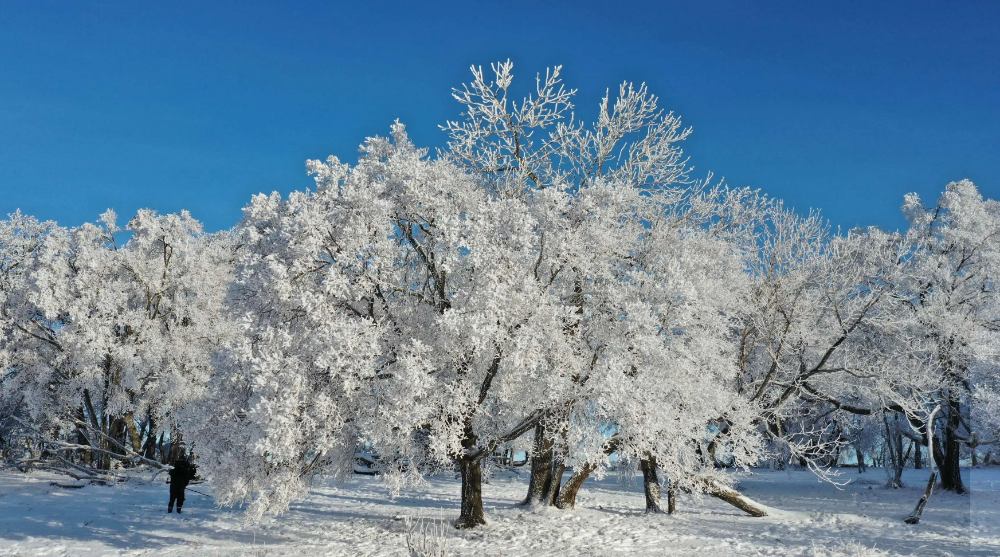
x=736, y=499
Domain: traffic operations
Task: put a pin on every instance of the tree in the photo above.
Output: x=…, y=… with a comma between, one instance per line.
x=951, y=301
x=396, y=306
x=614, y=179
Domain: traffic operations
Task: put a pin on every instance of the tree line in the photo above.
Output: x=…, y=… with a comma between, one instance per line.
x=542, y=284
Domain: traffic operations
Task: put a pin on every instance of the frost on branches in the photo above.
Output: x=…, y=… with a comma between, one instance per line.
x=436, y=311
x=104, y=343
x=396, y=307
x=544, y=284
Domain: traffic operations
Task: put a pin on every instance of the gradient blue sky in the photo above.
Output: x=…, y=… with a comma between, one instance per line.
x=842, y=106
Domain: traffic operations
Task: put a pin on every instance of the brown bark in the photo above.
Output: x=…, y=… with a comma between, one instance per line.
x=651, y=484
x=552, y=487
x=472, y=494
x=567, y=495
x=133, y=433
x=472, y=481
x=541, y=467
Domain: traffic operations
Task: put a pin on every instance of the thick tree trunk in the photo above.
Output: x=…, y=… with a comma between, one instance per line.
x=651, y=484
x=133, y=433
x=552, y=487
x=541, y=468
x=567, y=495
x=918, y=461
x=472, y=494
x=951, y=476
x=737, y=500
x=861, y=460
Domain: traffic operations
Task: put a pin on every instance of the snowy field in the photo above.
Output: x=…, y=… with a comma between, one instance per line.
x=356, y=519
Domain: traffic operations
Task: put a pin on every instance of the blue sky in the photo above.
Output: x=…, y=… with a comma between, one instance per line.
x=842, y=106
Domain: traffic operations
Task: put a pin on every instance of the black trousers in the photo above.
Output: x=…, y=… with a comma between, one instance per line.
x=176, y=495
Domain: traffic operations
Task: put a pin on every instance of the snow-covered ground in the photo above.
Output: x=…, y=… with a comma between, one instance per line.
x=356, y=518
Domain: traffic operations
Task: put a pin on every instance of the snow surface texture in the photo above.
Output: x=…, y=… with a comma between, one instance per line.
x=356, y=518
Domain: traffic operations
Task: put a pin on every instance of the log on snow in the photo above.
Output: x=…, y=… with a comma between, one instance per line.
x=737, y=500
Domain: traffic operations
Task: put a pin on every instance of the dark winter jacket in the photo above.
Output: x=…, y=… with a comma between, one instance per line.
x=181, y=475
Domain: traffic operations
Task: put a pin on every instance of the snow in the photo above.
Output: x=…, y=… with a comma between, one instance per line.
x=356, y=518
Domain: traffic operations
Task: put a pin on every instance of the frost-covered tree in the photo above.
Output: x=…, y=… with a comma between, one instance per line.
x=817, y=343
x=20, y=237
x=536, y=150
x=110, y=341
x=951, y=302
x=396, y=306
x=662, y=328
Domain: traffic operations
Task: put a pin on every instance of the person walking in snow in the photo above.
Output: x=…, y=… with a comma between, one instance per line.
x=181, y=474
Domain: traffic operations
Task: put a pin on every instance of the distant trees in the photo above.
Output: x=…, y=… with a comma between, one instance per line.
x=105, y=343
x=543, y=283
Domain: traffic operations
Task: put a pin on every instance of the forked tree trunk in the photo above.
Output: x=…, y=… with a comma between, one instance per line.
x=472, y=494
x=651, y=484
x=541, y=468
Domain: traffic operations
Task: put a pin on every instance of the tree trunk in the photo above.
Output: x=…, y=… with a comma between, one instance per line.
x=541, y=467
x=737, y=500
x=894, y=446
x=711, y=454
x=951, y=476
x=472, y=494
x=567, y=495
x=149, y=449
x=671, y=498
x=551, y=493
x=133, y=433
x=861, y=459
x=918, y=462
x=651, y=484
x=175, y=446
x=914, y=517
x=160, y=447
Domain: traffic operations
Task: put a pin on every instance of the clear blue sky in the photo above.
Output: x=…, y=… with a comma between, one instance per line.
x=842, y=106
